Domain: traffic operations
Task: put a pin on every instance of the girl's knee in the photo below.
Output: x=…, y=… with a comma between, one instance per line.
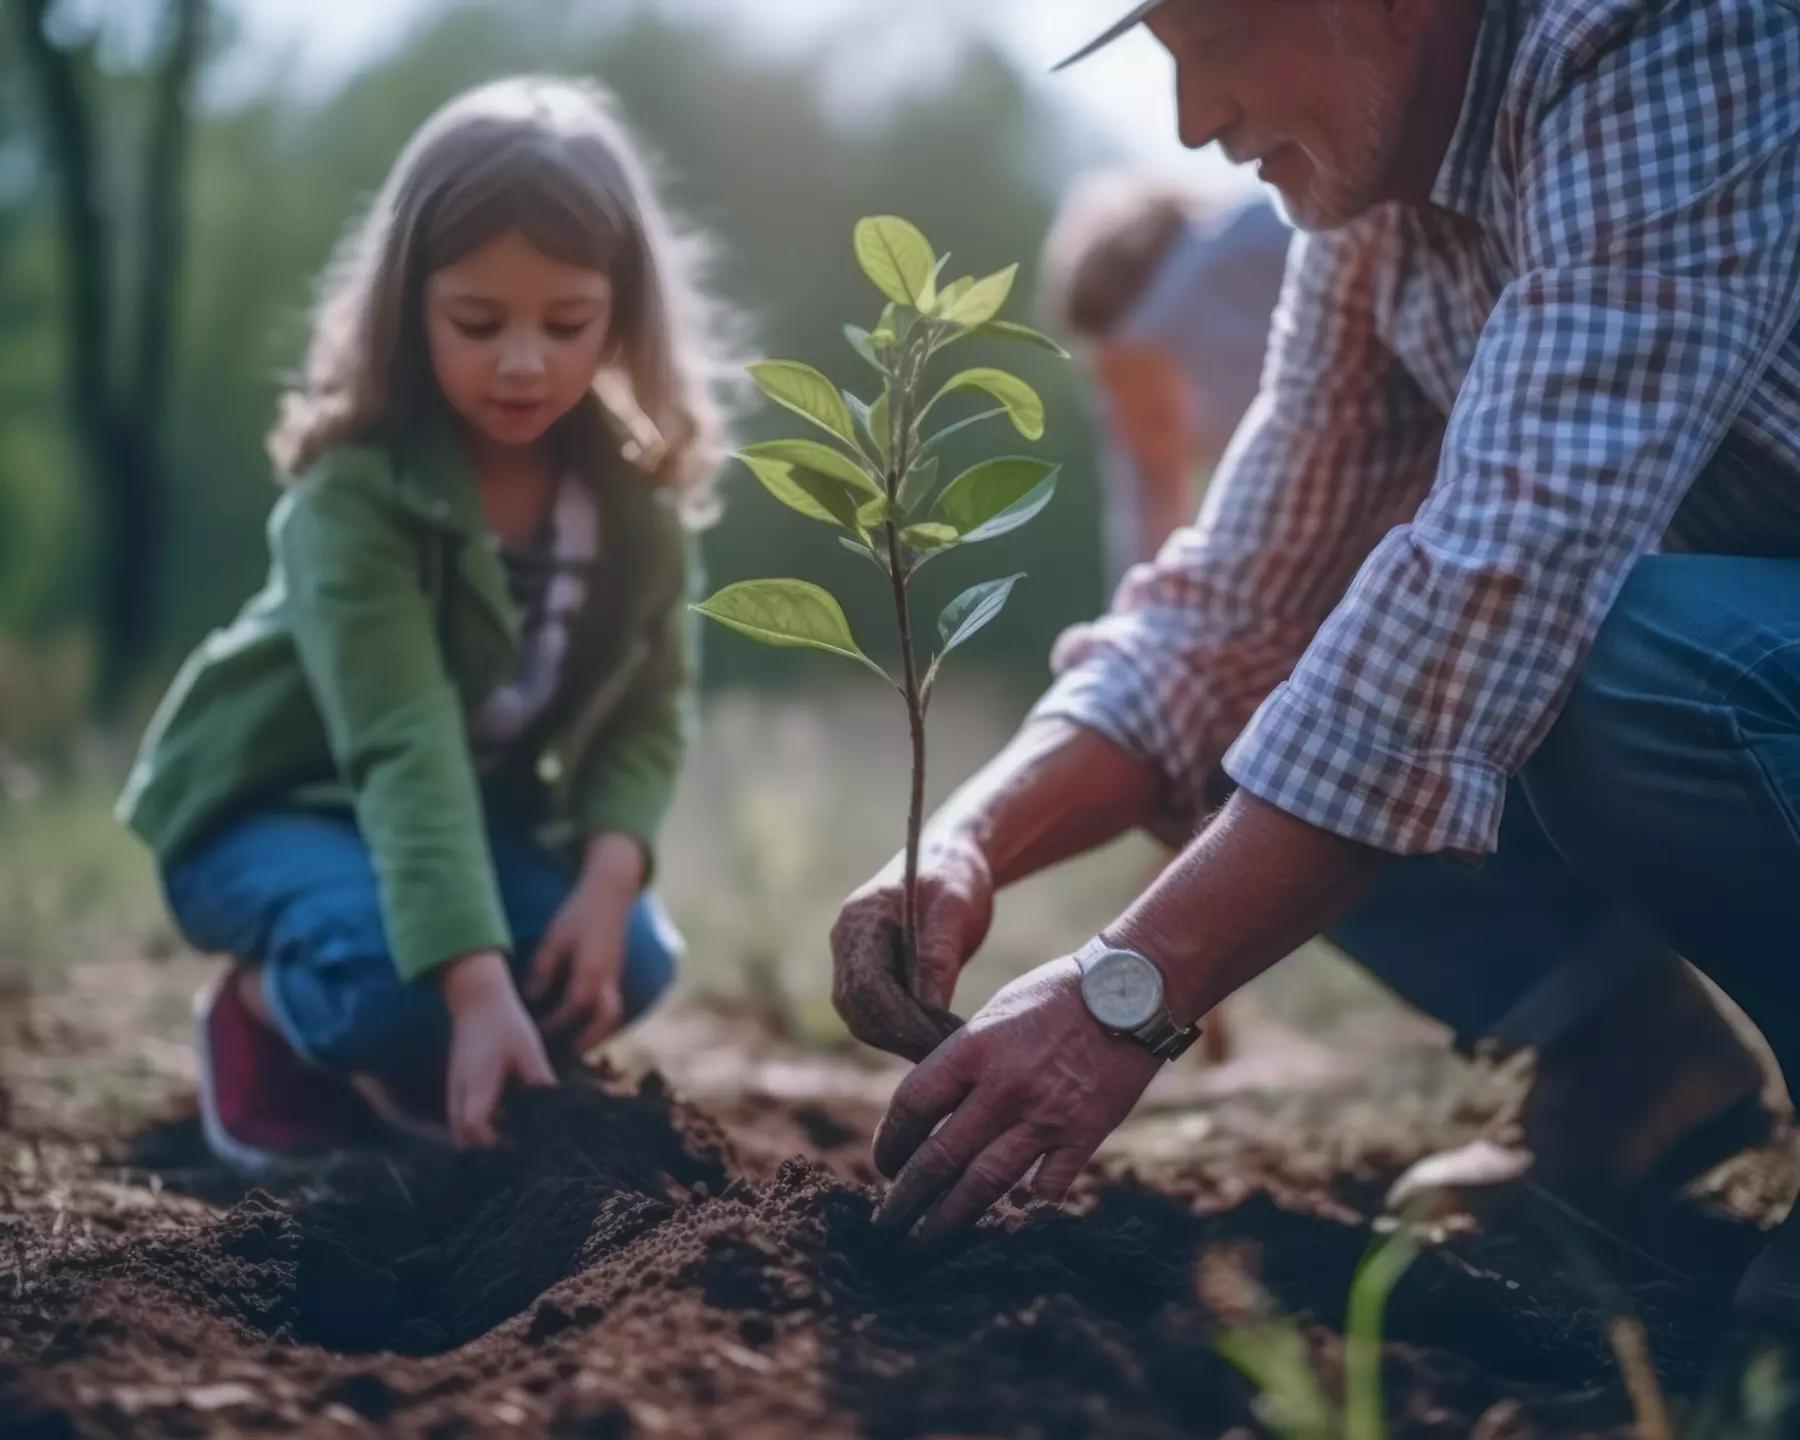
x=653, y=949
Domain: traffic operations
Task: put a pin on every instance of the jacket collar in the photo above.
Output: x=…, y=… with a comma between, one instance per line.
x=434, y=479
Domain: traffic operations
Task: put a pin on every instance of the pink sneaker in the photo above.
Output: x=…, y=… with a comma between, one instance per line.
x=260, y=1103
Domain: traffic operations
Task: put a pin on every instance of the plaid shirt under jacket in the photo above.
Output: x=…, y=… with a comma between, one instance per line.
x=1475, y=417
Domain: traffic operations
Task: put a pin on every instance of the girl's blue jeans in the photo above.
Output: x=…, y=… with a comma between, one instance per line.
x=294, y=892
x=1662, y=814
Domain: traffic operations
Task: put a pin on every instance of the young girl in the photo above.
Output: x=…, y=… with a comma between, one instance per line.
x=413, y=788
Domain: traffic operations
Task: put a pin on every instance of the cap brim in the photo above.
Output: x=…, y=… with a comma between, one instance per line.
x=1100, y=42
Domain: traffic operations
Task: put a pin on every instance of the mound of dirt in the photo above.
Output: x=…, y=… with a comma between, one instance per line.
x=614, y=1272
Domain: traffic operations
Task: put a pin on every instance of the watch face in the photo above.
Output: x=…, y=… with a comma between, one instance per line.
x=1122, y=990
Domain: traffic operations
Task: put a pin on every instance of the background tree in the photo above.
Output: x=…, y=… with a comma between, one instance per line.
x=122, y=269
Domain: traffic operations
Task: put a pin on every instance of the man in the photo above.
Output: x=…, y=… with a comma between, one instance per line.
x=1510, y=531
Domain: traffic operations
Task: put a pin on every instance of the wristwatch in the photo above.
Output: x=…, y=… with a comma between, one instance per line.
x=1123, y=991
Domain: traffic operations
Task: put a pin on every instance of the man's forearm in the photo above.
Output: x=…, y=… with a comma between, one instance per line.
x=1256, y=885
x=1057, y=790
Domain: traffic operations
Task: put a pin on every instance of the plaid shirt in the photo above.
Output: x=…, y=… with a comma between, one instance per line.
x=549, y=580
x=1475, y=417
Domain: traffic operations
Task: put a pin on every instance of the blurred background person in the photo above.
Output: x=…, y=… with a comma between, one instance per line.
x=1168, y=294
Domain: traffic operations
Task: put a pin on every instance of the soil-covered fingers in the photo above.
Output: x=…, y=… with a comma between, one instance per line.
x=984, y=1181
x=868, y=991
x=939, y=1166
x=921, y=1102
x=1057, y=1175
x=498, y=1050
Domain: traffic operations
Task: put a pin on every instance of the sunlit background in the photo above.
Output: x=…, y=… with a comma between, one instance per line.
x=775, y=125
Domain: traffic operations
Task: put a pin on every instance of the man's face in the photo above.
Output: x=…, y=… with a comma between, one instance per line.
x=1314, y=92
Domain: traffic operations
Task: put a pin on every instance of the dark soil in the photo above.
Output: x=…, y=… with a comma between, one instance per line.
x=622, y=1269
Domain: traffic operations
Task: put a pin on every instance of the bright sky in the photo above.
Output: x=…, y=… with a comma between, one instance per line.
x=1127, y=89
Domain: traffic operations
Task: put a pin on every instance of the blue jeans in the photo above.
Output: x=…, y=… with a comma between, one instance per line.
x=294, y=892
x=1660, y=814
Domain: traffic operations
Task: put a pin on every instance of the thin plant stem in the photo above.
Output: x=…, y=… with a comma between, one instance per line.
x=900, y=459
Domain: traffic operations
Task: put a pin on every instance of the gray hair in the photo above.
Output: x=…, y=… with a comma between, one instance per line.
x=551, y=158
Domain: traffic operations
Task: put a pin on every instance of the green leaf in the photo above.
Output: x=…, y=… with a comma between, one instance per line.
x=859, y=410
x=816, y=496
x=1381, y=1269
x=788, y=614
x=917, y=484
x=814, y=456
x=876, y=512
x=856, y=547
x=1019, y=334
x=967, y=613
x=897, y=258
x=1273, y=1356
x=806, y=392
x=951, y=296
x=983, y=493
x=973, y=610
x=863, y=343
x=879, y=424
x=1021, y=513
x=1021, y=401
x=949, y=430
x=886, y=328
x=929, y=536
x=983, y=300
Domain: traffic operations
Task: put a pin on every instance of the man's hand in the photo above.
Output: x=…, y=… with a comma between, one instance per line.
x=580, y=963
x=492, y=1043
x=1032, y=1074
x=910, y=1015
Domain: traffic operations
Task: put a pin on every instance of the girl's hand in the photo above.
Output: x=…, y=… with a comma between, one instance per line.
x=492, y=1042
x=581, y=961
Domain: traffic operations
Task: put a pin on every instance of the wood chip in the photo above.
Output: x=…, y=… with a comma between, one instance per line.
x=220, y=1397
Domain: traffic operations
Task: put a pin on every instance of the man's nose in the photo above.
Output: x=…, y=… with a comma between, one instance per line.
x=1202, y=112
x=521, y=354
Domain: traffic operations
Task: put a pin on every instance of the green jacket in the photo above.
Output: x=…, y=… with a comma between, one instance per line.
x=350, y=678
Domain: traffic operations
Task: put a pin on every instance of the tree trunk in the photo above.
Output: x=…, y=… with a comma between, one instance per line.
x=117, y=402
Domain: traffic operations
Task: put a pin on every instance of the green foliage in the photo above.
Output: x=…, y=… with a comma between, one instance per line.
x=897, y=258
x=1271, y=1353
x=806, y=392
x=1290, y=1398
x=881, y=478
x=788, y=614
x=969, y=612
x=1021, y=402
x=996, y=497
x=986, y=501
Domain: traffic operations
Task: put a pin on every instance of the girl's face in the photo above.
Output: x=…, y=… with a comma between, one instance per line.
x=515, y=337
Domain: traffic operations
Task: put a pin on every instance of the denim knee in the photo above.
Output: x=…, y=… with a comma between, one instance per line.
x=1661, y=724
x=653, y=946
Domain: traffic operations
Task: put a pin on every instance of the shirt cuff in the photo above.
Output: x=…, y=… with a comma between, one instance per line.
x=1308, y=763
x=1105, y=692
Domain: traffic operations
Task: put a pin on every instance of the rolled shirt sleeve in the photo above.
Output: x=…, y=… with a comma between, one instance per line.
x=1339, y=445
x=1659, y=275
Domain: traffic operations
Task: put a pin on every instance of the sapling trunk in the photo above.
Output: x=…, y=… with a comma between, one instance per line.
x=900, y=461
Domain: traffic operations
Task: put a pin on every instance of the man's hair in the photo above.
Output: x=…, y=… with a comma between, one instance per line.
x=1109, y=238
